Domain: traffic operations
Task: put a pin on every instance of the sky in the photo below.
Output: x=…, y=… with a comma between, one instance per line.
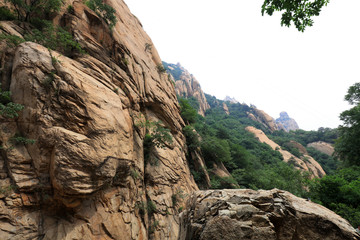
x=231, y=49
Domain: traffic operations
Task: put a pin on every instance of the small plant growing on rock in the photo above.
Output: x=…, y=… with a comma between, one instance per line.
x=148, y=47
x=160, y=68
x=8, y=109
x=18, y=139
x=177, y=196
x=103, y=10
x=70, y=9
x=11, y=40
x=134, y=174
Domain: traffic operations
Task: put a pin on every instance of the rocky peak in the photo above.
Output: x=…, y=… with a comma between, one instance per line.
x=230, y=99
x=288, y=123
x=187, y=86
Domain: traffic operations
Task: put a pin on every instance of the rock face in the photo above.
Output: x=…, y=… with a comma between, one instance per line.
x=186, y=85
x=305, y=163
x=265, y=119
x=270, y=215
x=288, y=123
x=85, y=177
x=323, y=147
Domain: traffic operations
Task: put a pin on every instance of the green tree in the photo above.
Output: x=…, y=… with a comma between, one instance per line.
x=300, y=12
x=347, y=145
x=26, y=10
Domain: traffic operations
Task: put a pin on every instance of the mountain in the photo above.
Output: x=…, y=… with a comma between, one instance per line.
x=187, y=86
x=288, y=123
x=94, y=144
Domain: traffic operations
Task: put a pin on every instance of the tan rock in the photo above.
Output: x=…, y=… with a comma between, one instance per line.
x=323, y=147
x=306, y=163
x=86, y=169
x=249, y=214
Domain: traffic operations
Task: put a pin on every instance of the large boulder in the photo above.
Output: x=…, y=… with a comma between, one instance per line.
x=270, y=215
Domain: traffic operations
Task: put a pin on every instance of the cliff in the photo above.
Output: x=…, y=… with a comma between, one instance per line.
x=265, y=119
x=85, y=177
x=288, y=123
x=305, y=163
x=187, y=86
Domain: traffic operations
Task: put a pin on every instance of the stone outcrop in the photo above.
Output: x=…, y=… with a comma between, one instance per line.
x=265, y=119
x=288, y=123
x=271, y=215
x=323, y=147
x=85, y=177
x=230, y=99
x=305, y=163
x=186, y=85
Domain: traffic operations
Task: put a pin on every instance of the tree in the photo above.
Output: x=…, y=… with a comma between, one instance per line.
x=299, y=12
x=25, y=10
x=347, y=146
x=104, y=11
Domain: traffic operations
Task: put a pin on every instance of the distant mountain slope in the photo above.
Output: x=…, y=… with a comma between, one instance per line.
x=187, y=86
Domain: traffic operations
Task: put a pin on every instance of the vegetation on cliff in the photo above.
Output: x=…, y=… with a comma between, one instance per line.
x=255, y=165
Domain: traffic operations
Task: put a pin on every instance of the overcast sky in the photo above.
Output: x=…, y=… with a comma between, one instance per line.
x=232, y=50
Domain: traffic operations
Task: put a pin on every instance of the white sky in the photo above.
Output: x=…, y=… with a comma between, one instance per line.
x=232, y=50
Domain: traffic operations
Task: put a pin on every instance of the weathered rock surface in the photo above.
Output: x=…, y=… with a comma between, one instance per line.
x=288, y=123
x=186, y=85
x=270, y=215
x=265, y=119
x=323, y=147
x=230, y=99
x=306, y=163
x=85, y=177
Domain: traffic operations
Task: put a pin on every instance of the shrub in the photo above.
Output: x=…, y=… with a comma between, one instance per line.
x=160, y=68
x=177, y=196
x=8, y=109
x=6, y=14
x=26, y=10
x=106, y=12
x=70, y=9
x=55, y=38
x=18, y=139
x=11, y=40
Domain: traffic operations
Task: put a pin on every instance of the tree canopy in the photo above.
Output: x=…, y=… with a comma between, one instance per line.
x=300, y=12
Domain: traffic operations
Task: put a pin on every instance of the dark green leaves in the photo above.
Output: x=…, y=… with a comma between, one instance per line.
x=300, y=12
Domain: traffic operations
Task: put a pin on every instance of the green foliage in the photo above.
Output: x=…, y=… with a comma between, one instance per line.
x=160, y=68
x=156, y=136
x=26, y=10
x=55, y=38
x=177, y=197
x=8, y=109
x=150, y=207
x=11, y=40
x=6, y=14
x=347, y=146
x=134, y=174
x=70, y=9
x=340, y=192
x=223, y=182
x=328, y=163
x=103, y=10
x=192, y=138
x=18, y=139
x=299, y=12
x=187, y=112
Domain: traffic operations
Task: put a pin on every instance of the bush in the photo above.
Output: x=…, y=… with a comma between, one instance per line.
x=192, y=138
x=55, y=38
x=26, y=10
x=6, y=14
x=8, y=109
x=106, y=12
x=11, y=40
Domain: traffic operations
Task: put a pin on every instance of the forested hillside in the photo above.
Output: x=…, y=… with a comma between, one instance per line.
x=221, y=138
